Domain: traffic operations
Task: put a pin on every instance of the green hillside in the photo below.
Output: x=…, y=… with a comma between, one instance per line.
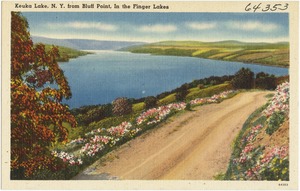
x=275, y=54
x=66, y=53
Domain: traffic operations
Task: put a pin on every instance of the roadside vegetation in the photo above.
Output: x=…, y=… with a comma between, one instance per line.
x=261, y=149
x=273, y=54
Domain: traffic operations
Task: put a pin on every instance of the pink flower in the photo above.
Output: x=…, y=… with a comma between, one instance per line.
x=279, y=101
x=249, y=173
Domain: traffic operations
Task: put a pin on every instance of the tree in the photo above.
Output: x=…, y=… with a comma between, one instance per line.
x=243, y=79
x=121, y=106
x=265, y=81
x=182, y=92
x=96, y=114
x=37, y=114
x=150, y=102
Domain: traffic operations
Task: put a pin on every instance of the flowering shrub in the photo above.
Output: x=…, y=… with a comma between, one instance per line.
x=76, y=141
x=281, y=152
x=213, y=99
x=263, y=162
x=198, y=101
x=90, y=149
x=275, y=164
x=280, y=101
x=271, y=165
x=156, y=115
x=120, y=130
x=278, y=108
x=95, y=131
x=252, y=134
x=247, y=152
x=104, y=138
x=257, y=164
x=67, y=158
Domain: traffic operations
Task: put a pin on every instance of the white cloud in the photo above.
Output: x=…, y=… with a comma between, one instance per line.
x=158, y=28
x=253, y=26
x=201, y=25
x=85, y=25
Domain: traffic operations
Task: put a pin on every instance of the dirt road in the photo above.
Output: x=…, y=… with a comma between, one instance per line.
x=195, y=145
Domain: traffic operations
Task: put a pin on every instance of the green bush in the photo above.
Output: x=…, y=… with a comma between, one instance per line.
x=150, y=102
x=182, y=92
x=200, y=86
x=275, y=121
x=278, y=169
x=95, y=114
x=265, y=81
x=188, y=107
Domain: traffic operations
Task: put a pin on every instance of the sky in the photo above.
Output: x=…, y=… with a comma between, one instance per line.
x=154, y=27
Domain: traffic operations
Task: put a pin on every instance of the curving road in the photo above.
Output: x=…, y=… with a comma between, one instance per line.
x=192, y=146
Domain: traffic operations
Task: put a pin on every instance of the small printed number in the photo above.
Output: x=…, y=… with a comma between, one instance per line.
x=283, y=184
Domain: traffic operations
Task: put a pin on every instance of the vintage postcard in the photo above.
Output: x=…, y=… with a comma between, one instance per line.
x=150, y=95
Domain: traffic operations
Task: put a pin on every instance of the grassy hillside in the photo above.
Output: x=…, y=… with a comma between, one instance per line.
x=67, y=53
x=275, y=54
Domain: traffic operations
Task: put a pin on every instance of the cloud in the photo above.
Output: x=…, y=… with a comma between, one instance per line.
x=158, y=28
x=253, y=26
x=201, y=25
x=85, y=25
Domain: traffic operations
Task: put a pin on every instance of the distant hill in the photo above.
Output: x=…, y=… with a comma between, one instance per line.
x=274, y=54
x=65, y=53
x=84, y=44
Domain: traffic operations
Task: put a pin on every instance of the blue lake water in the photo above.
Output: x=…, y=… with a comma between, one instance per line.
x=102, y=77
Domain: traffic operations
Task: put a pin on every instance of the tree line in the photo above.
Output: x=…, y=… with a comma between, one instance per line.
x=243, y=79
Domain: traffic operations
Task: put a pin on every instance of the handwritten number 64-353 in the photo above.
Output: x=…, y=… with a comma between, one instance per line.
x=267, y=7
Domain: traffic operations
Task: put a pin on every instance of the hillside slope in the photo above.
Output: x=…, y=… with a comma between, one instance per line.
x=85, y=44
x=275, y=54
x=66, y=53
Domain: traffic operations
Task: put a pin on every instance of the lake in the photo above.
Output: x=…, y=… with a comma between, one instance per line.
x=102, y=77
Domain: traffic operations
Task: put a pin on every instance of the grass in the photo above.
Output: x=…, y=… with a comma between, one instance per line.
x=207, y=92
x=138, y=107
x=168, y=99
x=275, y=54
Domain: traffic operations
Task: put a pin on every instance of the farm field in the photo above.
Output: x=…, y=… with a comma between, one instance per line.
x=274, y=54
